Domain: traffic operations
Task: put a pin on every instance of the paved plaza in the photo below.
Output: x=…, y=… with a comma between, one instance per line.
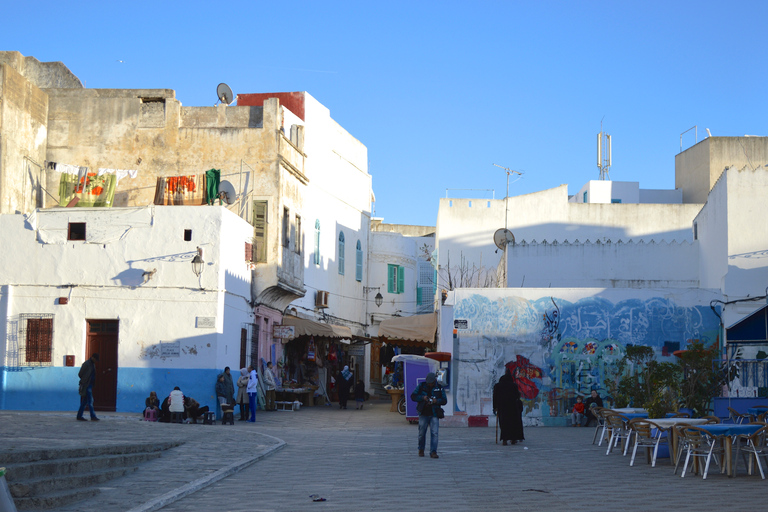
x=367, y=460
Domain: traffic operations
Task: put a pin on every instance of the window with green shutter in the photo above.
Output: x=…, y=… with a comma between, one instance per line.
x=317, y=242
x=358, y=262
x=395, y=279
x=260, y=231
x=341, y=253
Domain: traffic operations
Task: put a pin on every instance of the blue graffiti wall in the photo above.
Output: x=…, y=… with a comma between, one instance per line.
x=560, y=349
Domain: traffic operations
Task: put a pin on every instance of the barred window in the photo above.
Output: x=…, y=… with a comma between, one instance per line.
x=36, y=339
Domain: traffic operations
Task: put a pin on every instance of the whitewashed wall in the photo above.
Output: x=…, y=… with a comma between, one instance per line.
x=102, y=278
x=598, y=264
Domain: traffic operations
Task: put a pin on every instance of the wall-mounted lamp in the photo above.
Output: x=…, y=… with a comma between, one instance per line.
x=198, y=262
x=378, y=299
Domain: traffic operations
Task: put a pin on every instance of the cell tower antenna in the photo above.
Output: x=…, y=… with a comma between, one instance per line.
x=604, y=153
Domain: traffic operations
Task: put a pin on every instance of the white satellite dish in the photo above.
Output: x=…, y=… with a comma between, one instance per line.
x=227, y=192
x=224, y=93
x=502, y=237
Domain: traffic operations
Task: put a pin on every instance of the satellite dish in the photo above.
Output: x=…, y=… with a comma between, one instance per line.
x=224, y=93
x=227, y=192
x=502, y=237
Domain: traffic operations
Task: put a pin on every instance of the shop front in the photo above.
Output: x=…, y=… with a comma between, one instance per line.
x=314, y=353
x=413, y=335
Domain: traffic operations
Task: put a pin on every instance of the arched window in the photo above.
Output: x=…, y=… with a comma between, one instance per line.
x=341, y=253
x=317, y=242
x=358, y=262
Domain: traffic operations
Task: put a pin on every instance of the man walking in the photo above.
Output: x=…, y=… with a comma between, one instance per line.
x=429, y=396
x=270, y=385
x=87, y=376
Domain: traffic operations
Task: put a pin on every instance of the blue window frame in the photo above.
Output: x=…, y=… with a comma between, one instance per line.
x=341, y=253
x=358, y=262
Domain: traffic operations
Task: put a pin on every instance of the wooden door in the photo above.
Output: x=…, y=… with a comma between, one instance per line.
x=101, y=339
x=375, y=361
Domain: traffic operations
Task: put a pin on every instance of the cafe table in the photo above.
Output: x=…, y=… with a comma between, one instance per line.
x=666, y=424
x=757, y=411
x=728, y=432
x=631, y=410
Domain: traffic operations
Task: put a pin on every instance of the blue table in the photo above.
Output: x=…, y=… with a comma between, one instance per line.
x=729, y=431
x=756, y=411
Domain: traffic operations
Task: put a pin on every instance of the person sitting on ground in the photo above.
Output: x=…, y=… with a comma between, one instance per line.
x=193, y=409
x=359, y=394
x=152, y=403
x=176, y=402
x=593, y=401
x=577, y=415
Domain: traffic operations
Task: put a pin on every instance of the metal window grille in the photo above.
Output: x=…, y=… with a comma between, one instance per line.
x=35, y=339
x=252, y=335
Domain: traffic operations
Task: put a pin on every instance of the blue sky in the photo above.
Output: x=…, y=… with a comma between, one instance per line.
x=440, y=91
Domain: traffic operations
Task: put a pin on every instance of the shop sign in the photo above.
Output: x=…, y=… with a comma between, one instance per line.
x=461, y=323
x=283, y=331
x=355, y=350
x=206, y=322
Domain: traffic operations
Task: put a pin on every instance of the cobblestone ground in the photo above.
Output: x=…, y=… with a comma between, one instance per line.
x=366, y=460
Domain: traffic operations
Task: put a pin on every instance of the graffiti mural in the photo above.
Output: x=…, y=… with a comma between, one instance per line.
x=558, y=349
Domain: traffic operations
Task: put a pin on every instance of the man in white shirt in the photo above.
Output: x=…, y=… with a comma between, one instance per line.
x=270, y=384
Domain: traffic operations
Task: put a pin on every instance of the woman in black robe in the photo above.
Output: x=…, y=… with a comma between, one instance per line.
x=508, y=409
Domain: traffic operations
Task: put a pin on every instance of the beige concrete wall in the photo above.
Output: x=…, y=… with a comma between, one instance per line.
x=42, y=74
x=23, y=130
x=698, y=168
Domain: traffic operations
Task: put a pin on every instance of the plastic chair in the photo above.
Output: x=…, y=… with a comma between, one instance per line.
x=700, y=444
x=600, y=423
x=645, y=437
x=737, y=417
x=753, y=445
x=711, y=420
x=619, y=431
x=177, y=417
x=150, y=415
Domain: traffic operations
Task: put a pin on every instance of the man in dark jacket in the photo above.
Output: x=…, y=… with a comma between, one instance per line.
x=429, y=396
x=87, y=376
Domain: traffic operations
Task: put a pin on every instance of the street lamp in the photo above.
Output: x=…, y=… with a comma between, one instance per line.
x=378, y=299
x=197, y=263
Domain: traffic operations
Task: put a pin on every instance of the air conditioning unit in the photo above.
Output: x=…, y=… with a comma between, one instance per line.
x=321, y=299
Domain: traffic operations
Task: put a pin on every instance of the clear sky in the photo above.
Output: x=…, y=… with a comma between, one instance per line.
x=440, y=91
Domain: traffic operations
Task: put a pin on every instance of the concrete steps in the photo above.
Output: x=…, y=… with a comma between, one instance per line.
x=45, y=479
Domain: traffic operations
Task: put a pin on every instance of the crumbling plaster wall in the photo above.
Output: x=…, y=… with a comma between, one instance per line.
x=148, y=130
x=23, y=130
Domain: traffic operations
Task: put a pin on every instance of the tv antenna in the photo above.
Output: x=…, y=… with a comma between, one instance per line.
x=603, y=153
x=506, y=199
x=224, y=93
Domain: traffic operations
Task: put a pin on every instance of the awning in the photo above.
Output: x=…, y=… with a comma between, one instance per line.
x=410, y=328
x=305, y=327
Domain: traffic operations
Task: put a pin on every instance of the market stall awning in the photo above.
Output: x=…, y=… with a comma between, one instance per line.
x=420, y=328
x=305, y=327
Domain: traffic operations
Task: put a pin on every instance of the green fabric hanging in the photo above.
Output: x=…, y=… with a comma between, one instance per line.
x=212, y=180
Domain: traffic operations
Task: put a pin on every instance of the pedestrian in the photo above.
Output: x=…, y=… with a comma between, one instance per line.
x=242, y=393
x=429, y=396
x=506, y=407
x=230, y=385
x=252, y=389
x=222, y=393
x=87, y=376
x=270, y=385
x=359, y=394
x=152, y=403
x=344, y=382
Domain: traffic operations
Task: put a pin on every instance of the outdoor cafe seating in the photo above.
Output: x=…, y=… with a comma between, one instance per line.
x=752, y=447
x=647, y=435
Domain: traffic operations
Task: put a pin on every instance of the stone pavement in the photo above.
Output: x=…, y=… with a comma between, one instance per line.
x=366, y=460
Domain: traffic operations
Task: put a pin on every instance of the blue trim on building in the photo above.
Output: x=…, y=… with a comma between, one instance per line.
x=55, y=388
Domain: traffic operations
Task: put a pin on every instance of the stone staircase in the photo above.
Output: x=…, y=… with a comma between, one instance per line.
x=47, y=479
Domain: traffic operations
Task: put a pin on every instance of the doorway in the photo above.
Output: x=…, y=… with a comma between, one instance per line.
x=101, y=338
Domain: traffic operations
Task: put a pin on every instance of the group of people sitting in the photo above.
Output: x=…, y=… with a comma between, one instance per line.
x=189, y=408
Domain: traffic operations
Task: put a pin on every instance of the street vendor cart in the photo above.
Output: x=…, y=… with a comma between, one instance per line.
x=415, y=370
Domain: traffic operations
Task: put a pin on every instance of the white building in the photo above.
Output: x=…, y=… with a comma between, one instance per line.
x=119, y=282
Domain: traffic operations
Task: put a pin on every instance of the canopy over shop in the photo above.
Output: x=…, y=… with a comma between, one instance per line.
x=403, y=335
x=313, y=352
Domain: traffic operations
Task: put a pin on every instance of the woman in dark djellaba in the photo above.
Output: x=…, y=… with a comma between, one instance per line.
x=508, y=409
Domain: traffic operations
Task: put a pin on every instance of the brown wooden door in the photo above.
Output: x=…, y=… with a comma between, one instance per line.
x=102, y=339
x=375, y=361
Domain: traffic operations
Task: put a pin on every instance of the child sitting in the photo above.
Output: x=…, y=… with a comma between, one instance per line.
x=577, y=417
